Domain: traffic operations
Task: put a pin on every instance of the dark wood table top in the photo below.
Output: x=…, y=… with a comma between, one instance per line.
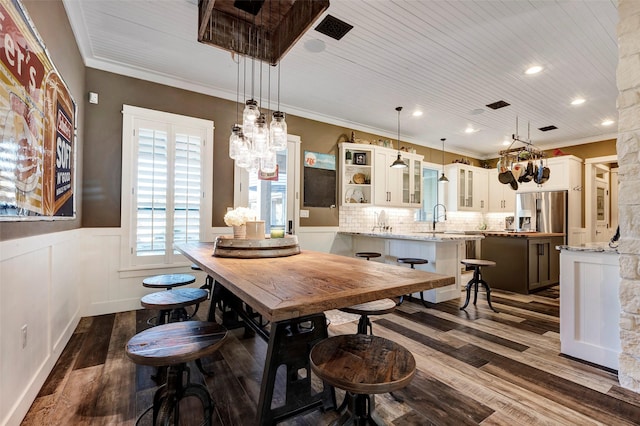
x=310, y=282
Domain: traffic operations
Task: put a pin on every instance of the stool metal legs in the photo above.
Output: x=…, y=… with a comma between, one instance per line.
x=475, y=282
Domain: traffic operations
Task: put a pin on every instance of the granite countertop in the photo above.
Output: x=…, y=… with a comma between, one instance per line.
x=591, y=247
x=523, y=234
x=418, y=236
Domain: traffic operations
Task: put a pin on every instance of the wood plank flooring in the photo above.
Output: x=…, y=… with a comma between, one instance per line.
x=474, y=368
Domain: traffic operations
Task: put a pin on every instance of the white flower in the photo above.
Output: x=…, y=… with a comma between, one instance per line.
x=239, y=216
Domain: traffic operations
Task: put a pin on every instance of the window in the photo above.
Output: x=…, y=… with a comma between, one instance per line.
x=166, y=185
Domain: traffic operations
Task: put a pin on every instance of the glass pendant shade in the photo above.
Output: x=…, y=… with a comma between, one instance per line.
x=243, y=155
x=249, y=116
x=278, y=131
x=261, y=137
x=268, y=162
x=443, y=178
x=234, y=141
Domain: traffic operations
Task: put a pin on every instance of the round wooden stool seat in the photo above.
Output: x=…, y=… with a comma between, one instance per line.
x=173, y=345
x=477, y=262
x=362, y=365
x=168, y=281
x=172, y=304
x=412, y=261
x=477, y=280
x=377, y=307
x=368, y=254
x=178, y=298
x=196, y=267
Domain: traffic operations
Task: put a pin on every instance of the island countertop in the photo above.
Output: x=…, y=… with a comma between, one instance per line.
x=591, y=247
x=418, y=236
x=523, y=234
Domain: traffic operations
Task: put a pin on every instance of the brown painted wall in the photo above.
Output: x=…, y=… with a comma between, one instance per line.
x=50, y=19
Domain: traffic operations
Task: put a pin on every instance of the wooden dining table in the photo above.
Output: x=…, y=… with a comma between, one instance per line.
x=292, y=293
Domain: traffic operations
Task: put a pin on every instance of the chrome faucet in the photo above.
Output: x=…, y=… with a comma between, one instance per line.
x=435, y=218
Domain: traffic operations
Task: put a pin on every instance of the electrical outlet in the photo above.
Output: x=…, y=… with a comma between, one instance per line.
x=24, y=336
x=304, y=213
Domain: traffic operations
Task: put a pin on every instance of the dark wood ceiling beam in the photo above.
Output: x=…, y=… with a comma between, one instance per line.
x=231, y=32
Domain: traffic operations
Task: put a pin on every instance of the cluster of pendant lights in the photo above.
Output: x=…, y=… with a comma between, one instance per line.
x=254, y=144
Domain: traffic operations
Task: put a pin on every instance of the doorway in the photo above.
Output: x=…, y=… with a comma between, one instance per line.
x=601, y=198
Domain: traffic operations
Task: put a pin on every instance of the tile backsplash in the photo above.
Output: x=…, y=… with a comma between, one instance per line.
x=400, y=220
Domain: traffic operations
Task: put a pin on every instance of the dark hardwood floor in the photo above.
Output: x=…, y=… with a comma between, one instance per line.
x=474, y=367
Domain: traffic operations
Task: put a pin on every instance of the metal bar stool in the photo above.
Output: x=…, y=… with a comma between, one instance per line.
x=413, y=261
x=368, y=254
x=172, y=304
x=172, y=346
x=476, y=264
x=362, y=365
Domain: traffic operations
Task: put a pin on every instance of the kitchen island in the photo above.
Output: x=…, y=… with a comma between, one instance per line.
x=590, y=303
x=444, y=251
x=525, y=261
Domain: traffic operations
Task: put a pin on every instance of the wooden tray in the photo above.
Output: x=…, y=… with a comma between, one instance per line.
x=227, y=246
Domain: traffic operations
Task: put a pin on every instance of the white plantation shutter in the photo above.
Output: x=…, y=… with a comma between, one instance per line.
x=187, y=188
x=151, y=192
x=170, y=159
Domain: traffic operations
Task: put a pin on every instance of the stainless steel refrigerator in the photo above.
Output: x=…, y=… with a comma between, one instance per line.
x=544, y=211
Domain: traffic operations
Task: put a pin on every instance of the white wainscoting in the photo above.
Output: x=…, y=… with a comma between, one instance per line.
x=49, y=282
x=40, y=286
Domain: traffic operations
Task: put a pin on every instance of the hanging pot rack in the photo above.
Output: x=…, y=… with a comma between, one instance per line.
x=533, y=153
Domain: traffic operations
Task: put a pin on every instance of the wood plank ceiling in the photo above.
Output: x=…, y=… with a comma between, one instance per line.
x=448, y=59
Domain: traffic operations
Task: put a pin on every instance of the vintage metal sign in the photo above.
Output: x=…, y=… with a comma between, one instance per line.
x=37, y=125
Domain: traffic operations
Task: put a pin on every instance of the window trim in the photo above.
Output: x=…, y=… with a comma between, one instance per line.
x=127, y=242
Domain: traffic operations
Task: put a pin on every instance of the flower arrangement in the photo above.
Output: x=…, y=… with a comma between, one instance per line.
x=239, y=216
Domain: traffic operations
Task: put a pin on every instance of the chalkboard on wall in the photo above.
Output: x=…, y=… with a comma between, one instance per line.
x=319, y=180
x=319, y=187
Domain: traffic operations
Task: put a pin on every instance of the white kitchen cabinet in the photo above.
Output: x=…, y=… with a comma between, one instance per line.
x=468, y=189
x=502, y=198
x=356, y=174
x=383, y=185
x=412, y=181
x=388, y=180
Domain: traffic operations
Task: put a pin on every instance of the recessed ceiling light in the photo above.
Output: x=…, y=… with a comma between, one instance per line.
x=505, y=142
x=607, y=122
x=417, y=113
x=470, y=130
x=577, y=101
x=533, y=70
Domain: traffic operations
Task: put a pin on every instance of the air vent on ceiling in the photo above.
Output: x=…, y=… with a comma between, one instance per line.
x=547, y=128
x=498, y=105
x=249, y=6
x=333, y=27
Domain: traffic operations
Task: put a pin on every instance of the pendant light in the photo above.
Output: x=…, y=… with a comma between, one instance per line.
x=398, y=163
x=443, y=178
